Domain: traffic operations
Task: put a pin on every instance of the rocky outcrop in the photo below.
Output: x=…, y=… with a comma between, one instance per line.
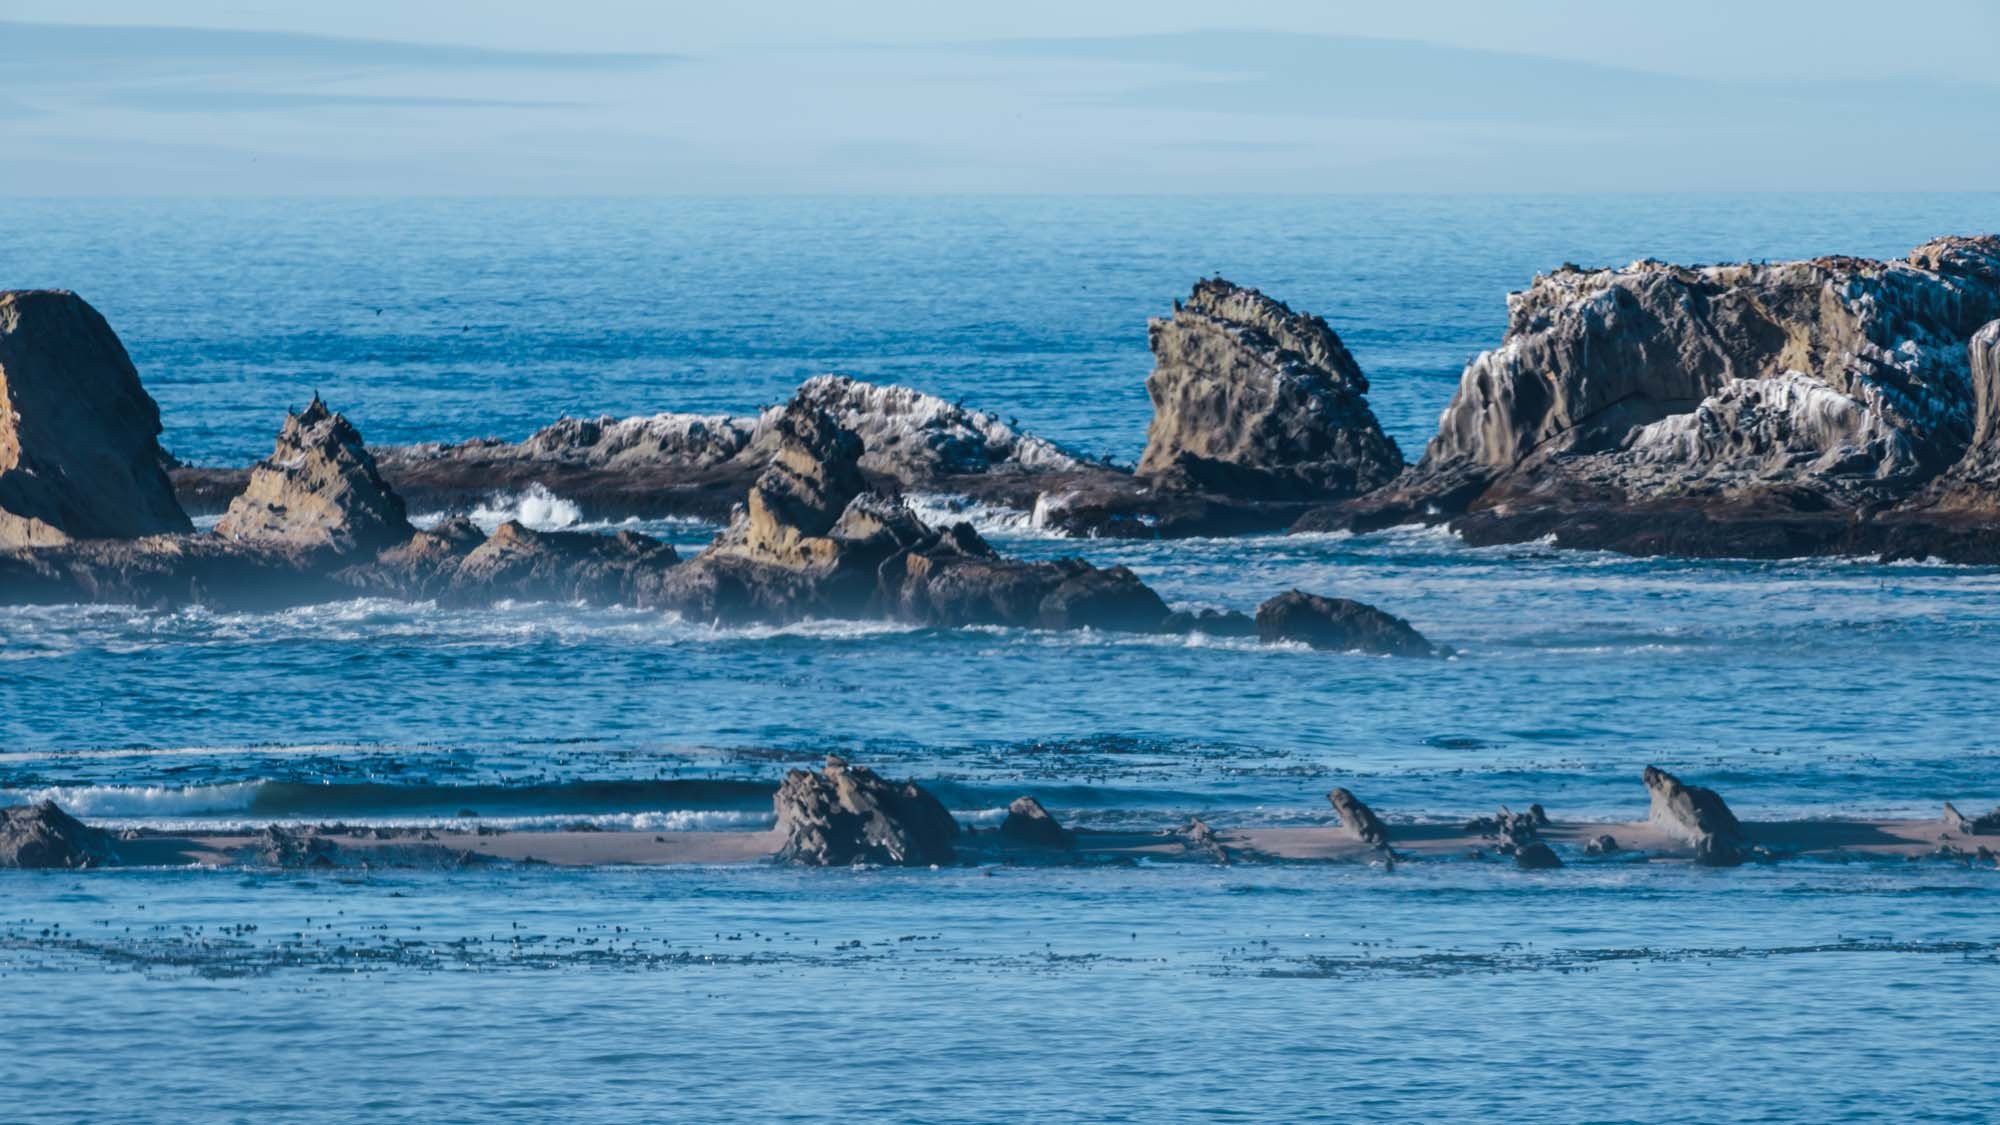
x=519, y=564
x=318, y=491
x=1536, y=856
x=1986, y=824
x=1357, y=820
x=1028, y=823
x=1340, y=624
x=44, y=836
x=277, y=846
x=1759, y=409
x=80, y=455
x=844, y=815
x=1250, y=398
x=1696, y=816
x=1973, y=484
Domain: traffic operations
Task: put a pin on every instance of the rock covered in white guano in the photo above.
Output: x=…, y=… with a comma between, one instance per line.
x=319, y=490
x=80, y=455
x=1697, y=816
x=1357, y=820
x=1845, y=373
x=1974, y=482
x=919, y=438
x=845, y=814
x=1252, y=398
x=42, y=835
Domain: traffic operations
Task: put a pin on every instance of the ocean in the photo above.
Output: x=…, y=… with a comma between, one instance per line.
x=1809, y=991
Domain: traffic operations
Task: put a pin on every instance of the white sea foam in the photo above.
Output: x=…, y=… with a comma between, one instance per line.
x=941, y=509
x=534, y=507
x=122, y=801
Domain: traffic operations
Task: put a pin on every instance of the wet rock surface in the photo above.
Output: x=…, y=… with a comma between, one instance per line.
x=1339, y=624
x=80, y=455
x=43, y=836
x=843, y=815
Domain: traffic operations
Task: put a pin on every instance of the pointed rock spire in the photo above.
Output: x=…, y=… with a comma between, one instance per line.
x=319, y=490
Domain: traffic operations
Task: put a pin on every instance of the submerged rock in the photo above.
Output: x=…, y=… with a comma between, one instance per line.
x=1338, y=623
x=42, y=835
x=1356, y=819
x=1536, y=856
x=1029, y=823
x=846, y=814
x=1697, y=816
x=1601, y=845
x=318, y=491
x=80, y=455
x=1250, y=398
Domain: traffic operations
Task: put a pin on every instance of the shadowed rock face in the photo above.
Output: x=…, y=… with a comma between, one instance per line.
x=318, y=491
x=1975, y=481
x=1696, y=815
x=1250, y=398
x=44, y=836
x=1029, y=823
x=1338, y=623
x=80, y=454
x=846, y=814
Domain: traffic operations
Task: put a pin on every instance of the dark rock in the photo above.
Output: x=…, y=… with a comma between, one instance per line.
x=281, y=847
x=1029, y=823
x=318, y=491
x=1337, y=623
x=44, y=836
x=518, y=563
x=1536, y=857
x=80, y=456
x=1250, y=398
x=1985, y=825
x=1601, y=845
x=845, y=814
x=1358, y=820
x=1111, y=599
x=1697, y=816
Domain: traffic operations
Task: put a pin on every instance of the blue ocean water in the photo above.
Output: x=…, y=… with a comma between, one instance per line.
x=1440, y=992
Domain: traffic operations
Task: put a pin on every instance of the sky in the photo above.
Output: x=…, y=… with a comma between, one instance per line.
x=375, y=97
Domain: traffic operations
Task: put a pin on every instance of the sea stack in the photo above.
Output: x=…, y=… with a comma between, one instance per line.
x=1697, y=816
x=80, y=454
x=845, y=814
x=1252, y=399
x=318, y=491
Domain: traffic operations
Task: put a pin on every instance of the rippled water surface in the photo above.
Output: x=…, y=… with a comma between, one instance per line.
x=1807, y=992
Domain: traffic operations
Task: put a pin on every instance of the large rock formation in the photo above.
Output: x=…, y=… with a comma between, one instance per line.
x=43, y=836
x=1697, y=816
x=1250, y=398
x=1974, y=482
x=80, y=454
x=1746, y=409
x=520, y=564
x=318, y=491
x=1339, y=624
x=846, y=814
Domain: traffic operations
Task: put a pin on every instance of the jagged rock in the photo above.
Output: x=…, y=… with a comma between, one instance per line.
x=42, y=835
x=1986, y=825
x=1601, y=845
x=1250, y=398
x=813, y=475
x=1512, y=829
x=1337, y=623
x=846, y=814
x=518, y=563
x=1974, y=482
x=1358, y=820
x=319, y=490
x=1697, y=816
x=1769, y=409
x=1029, y=823
x=1536, y=856
x=920, y=439
x=1203, y=838
x=80, y=456
x=280, y=847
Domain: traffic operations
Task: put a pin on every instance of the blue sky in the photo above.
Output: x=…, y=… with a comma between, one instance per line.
x=620, y=96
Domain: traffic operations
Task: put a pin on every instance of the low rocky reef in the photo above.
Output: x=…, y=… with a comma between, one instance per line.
x=811, y=536
x=846, y=815
x=1836, y=405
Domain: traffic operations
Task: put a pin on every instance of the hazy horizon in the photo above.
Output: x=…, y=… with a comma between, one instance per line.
x=612, y=98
